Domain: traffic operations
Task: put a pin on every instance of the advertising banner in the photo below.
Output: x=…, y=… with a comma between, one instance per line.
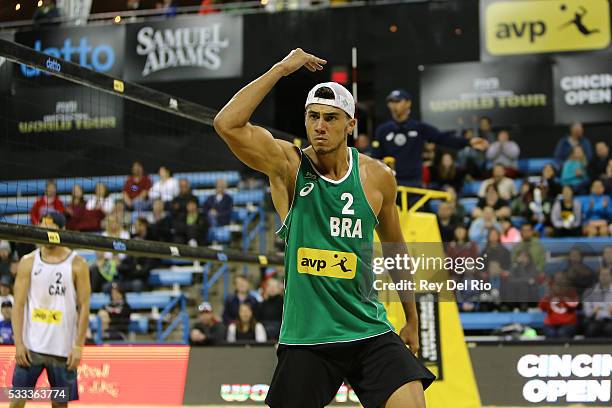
x=98, y=48
x=543, y=374
x=583, y=89
x=455, y=95
x=185, y=48
x=235, y=376
x=66, y=118
x=121, y=375
x=542, y=26
x=429, y=332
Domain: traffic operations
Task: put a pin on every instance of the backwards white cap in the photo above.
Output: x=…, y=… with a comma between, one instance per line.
x=342, y=98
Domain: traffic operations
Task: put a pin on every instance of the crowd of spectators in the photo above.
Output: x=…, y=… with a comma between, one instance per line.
x=166, y=210
x=248, y=316
x=570, y=198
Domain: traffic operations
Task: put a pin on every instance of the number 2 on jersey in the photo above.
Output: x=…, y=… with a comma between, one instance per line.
x=347, y=210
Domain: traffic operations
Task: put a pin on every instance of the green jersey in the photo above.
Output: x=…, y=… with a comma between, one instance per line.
x=329, y=233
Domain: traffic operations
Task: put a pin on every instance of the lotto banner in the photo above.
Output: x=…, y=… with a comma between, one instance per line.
x=121, y=375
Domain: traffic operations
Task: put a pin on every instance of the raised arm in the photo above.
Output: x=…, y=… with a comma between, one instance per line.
x=254, y=145
x=390, y=234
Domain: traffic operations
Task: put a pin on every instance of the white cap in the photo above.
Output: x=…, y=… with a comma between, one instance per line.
x=342, y=98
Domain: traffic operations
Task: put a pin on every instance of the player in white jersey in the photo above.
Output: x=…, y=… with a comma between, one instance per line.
x=50, y=318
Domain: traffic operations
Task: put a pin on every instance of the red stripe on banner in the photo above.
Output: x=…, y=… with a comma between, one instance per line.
x=121, y=374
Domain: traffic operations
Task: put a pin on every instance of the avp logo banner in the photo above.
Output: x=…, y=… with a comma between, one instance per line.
x=185, y=48
x=543, y=26
x=96, y=48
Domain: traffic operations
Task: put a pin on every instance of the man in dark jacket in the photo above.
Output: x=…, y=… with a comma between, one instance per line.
x=208, y=331
x=242, y=295
x=403, y=139
x=218, y=207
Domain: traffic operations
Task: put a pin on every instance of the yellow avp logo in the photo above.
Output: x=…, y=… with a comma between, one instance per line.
x=47, y=316
x=321, y=262
x=538, y=26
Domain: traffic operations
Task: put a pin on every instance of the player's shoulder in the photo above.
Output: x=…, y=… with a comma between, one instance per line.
x=79, y=261
x=376, y=169
x=291, y=151
x=28, y=258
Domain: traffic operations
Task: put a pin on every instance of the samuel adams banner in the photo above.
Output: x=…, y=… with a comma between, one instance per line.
x=542, y=26
x=185, y=48
x=455, y=95
x=583, y=89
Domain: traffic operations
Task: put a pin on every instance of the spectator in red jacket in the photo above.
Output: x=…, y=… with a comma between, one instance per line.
x=136, y=189
x=48, y=202
x=560, y=307
x=79, y=217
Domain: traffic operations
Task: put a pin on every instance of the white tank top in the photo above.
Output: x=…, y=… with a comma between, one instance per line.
x=50, y=320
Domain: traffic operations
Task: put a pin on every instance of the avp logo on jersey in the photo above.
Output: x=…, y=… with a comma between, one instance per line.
x=322, y=262
x=47, y=316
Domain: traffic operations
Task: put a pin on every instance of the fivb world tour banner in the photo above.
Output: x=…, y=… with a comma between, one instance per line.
x=187, y=48
x=455, y=95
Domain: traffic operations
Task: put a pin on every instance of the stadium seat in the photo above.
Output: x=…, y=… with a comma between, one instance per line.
x=560, y=246
x=98, y=300
x=147, y=300
x=169, y=277
x=138, y=301
x=220, y=234
x=22, y=219
x=471, y=188
x=209, y=179
x=469, y=204
x=534, y=166
x=495, y=320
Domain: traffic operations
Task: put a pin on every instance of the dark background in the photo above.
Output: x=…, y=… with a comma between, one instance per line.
x=393, y=41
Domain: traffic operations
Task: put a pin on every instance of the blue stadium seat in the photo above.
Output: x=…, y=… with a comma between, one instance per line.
x=114, y=183
x=139, y=324
x=147, y=300
x=518, y=221
x=13, y=205
x=22, y=219
x=98, y=300
x=208, y=179
x=471, y=188
x=168, y=277
x=144, y=300
x=248, y=196
x=469, y=204
x=534, y=166
x=560, y=246
x=239, y=214
x=495, y=320
x=557, y=265
x=220, y=234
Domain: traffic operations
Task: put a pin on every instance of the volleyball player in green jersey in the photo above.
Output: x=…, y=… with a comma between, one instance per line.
x=331, y=199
